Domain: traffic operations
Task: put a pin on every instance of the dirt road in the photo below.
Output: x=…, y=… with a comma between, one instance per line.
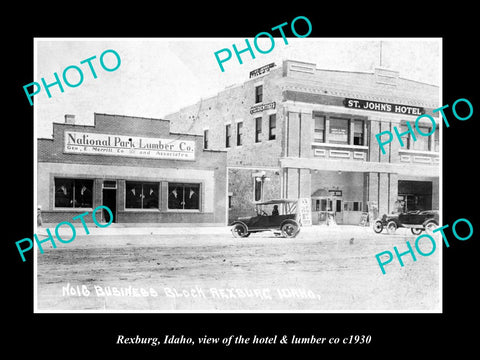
x=320, y=270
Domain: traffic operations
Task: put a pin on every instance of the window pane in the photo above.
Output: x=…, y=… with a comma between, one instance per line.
x=405, y=138
x=437, y=140
x=205, y=139
x=63, y=193
x=150, y=195
x=133, y=198
x=192, y=196
x=239, y=133
x=272, y=127
x=183, y=196
x=258, y=189
x=83, y=193
x=175, y=196
x=319, y=122
x=338, y=131
x=258, y=94
x=323, y=206
x=422, y=141
x=227, y=135
x=258, y=129
x=356, y=206
x=339, y=206
x=358, y=133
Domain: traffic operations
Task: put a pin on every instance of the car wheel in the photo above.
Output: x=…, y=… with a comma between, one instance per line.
x=377, y=226
x=430, y=226
x=391, y=227
x=240, y=230
x=416, y=231
x=289, y=230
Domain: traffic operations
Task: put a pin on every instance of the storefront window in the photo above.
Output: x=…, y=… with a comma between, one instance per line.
x=183, y=196
x=141, y=195
x=73, y=193
x=339, y=131
x=319, y=129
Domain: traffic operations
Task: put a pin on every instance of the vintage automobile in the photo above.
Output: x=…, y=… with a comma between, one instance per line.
x=417, y=221
x=282, y=221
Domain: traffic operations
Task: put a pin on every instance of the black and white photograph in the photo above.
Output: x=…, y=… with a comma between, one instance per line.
x=298, y=180
x=287, y=180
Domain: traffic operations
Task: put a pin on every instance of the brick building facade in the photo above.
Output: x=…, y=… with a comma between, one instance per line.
x=298, y=131
x=138, y=168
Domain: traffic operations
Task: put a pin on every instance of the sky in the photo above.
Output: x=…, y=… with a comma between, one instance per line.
x=158, y=76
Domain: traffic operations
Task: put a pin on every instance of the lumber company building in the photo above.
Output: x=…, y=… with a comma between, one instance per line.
x=135, y=166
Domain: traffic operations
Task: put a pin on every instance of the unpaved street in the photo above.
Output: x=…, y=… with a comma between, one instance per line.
x=323, y=269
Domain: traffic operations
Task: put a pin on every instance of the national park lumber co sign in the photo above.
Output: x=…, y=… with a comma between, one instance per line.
x=125, y=145
x=382, y=106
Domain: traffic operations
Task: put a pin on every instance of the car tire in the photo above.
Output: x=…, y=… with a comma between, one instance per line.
x=289, y=230
x=240, y=230
x=378, y=226
x=416, y=231
x=430, y=226
x=391, y=227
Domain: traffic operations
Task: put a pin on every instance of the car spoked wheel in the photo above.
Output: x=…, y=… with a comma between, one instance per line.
x=239, y=230
x=377, y=226
x=289, y=230
x=391, y=227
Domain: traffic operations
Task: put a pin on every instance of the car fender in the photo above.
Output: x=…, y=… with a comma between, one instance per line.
x=239, y=222
x=289, y=221
x=430, y=220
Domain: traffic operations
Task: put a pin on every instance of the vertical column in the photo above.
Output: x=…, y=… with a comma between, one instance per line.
x=436, y=193
x=121, y=195
x=164, y=196
x=372, y=189
x=306, y=136
x=305, y=183
x=97, y=193
x=394, y=146
x=383, y=193
x=292, y=183
x=293, y=134
x=384, y=126
x=374, y=149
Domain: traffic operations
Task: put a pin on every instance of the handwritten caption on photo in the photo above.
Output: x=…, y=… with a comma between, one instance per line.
x=194, y=292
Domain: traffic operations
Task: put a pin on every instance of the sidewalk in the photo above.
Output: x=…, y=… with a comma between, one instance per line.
x=176, y=229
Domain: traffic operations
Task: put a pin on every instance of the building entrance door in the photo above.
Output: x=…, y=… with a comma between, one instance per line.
x=109, y=196
x=338, y=210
